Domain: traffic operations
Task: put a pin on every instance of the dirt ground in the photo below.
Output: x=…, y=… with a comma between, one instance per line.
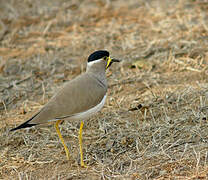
x=154, y=124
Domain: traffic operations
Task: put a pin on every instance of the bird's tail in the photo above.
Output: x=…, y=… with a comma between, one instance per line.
x=26, y=124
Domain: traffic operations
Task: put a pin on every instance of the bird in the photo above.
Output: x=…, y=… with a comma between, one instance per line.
x=77, y=100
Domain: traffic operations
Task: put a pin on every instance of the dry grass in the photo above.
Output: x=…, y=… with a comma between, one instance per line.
x=155, y=122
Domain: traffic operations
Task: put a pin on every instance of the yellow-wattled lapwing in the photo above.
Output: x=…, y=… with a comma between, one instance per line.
x=78, y=99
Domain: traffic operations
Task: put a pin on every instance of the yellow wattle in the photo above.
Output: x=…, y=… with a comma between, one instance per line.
x=108, y=62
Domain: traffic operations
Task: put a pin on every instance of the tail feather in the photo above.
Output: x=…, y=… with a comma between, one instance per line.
x=26, y=124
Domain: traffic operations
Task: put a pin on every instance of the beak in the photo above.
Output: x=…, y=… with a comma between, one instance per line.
x=110, y=61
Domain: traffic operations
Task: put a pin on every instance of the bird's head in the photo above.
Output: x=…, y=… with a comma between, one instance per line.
x=101, y=57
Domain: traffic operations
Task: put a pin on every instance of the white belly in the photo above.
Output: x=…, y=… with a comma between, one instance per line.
x=86, y=114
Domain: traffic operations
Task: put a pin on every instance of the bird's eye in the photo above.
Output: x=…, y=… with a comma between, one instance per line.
x=105, y=58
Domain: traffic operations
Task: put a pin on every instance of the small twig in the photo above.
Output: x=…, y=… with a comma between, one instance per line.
x=193, y=69
x=18, y=82
x=5, y=107
x=174, y=145
x=119, y=154
x=47, y=27
x=127, y=81
x=43, y=88
x=139, y=106
x=6, y=104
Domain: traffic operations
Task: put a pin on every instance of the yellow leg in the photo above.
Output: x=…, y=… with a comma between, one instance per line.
x=80, y=144
x=61, y=138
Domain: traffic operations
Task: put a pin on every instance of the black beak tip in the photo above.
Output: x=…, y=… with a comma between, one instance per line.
x=115, y=60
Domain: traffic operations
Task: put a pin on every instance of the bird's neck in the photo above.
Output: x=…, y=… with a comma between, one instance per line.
x=99, y=76
x=97, y=71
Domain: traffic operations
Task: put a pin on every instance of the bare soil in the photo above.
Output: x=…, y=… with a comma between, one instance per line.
x=154, y=124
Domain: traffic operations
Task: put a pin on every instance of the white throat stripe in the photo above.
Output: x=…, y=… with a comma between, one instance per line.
x=93, y=62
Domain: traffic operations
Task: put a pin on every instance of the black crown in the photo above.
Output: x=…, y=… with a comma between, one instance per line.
x=98, y=55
